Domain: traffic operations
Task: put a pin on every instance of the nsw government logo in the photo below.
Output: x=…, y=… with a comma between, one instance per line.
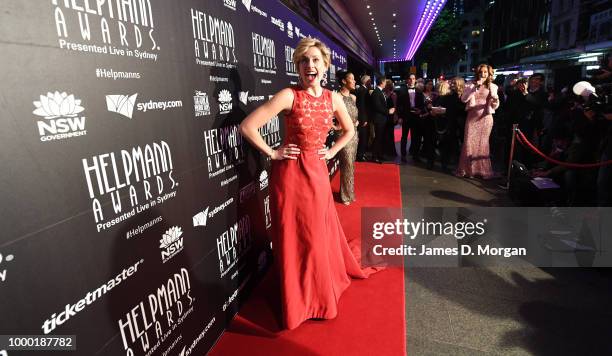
x=289, y=29
x=263, y=180
x=230, y=4
x=225, y=101
x=61, y=112
x=201, y=104
x=171, y=243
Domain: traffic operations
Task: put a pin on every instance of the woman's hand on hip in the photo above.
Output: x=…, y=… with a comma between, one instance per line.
x=288, y=151
x=326, y=154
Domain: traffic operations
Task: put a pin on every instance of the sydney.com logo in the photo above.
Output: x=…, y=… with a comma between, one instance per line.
x=124, y=104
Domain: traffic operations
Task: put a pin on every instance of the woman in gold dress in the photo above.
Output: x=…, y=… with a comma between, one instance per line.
x=348, y=154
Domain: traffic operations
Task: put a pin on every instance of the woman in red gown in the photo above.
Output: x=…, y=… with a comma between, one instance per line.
x=310, y=249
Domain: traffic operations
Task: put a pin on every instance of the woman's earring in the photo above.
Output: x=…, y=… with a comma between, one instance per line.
x=324, y=80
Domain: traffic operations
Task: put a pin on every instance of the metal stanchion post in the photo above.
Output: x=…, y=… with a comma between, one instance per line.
x=514, y=128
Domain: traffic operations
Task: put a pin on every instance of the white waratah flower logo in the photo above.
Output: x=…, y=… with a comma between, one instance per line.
x=170, y=236
x=225, y=96
x=57, y=105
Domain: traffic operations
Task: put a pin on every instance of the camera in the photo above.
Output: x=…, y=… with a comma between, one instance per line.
x=597, y=98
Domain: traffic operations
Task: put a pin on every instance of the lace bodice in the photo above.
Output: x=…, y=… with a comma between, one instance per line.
x=309, y=120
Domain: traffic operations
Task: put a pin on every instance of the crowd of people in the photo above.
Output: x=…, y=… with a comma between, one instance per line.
x=454, y=121
x=469, y=127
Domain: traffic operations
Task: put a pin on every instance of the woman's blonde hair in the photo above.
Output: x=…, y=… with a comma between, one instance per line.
x=459, y=85
x=443, y=88
x=304, y=45
x=489, y=79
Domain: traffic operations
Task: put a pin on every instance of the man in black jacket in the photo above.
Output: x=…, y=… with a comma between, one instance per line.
x=411, y=103
x=363, y=107
x=378, y=118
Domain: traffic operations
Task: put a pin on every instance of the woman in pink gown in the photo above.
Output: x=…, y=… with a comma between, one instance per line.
x=481, y=101
x=311, y=253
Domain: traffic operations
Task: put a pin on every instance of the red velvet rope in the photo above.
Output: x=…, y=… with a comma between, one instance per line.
x=524, y=141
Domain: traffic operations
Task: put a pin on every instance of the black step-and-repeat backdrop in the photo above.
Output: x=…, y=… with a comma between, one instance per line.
x=134, y=215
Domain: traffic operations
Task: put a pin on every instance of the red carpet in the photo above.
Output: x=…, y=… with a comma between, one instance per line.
x=397, y=133
x=371, y=318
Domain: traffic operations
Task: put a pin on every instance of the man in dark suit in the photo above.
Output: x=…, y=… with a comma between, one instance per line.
x=380, y=112
x=411, y=103
x=363, y=107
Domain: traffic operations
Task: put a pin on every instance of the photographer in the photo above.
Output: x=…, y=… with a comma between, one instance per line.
x=578, y=183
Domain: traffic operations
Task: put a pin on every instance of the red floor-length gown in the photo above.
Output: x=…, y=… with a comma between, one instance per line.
x=311, y=252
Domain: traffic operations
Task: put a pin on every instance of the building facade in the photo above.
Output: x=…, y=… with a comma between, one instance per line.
x=516, y=29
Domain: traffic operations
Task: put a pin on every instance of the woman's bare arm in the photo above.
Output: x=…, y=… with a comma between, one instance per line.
x=249, y=128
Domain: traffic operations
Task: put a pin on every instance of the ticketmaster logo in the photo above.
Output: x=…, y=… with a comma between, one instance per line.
x=71, y=310
x=121, y=104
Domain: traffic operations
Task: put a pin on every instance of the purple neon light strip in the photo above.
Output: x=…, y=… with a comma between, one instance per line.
x=423, y=29
x=427, y=27
x=421, y=37
x=420, y=27
x=432, y=10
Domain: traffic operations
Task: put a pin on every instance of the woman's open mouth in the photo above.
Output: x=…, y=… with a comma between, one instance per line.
x=311, y=76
